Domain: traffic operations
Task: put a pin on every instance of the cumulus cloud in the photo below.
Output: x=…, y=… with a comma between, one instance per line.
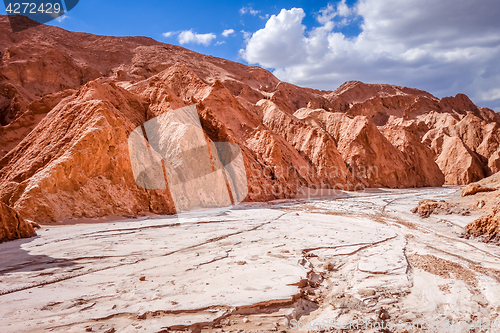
x=281, y=43
x=227, y=32
x=445, y=46
x=188, y=36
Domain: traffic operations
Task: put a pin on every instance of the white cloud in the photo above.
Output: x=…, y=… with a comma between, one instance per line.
x=249, y=10
x=188, y=36
x=227, y=32
x=327, y=14
x=220, y=42
x=445, y=46
x=280, y=43
x=168, y=34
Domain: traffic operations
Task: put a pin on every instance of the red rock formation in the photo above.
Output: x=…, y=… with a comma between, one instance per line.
x=389, y=156
x=68, y=102
x=75, y=163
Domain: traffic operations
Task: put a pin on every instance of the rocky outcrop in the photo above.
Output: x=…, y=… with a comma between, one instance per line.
x=474, y=188
x=482, y=197
x=486, y=227
x=12, y=226
x=427, y=207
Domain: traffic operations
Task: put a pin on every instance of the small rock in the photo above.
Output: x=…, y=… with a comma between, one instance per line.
x=367, y=292
x=88, y=329
x=142, y=316
x=142, y=278
x=302, y=283
x=111, y=330
x=245, y=320
x=383, y=314
x=242, y=262
x=328, y=266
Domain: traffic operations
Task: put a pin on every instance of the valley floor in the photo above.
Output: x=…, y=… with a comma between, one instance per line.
x=362, y=261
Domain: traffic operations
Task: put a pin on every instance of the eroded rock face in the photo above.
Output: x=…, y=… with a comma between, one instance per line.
x=422, y=168
x=486, y=227
x=12, y=226
x=75, y=163
x=390, y=157
x=458, y=163
x=484, y=195
x=69, y=101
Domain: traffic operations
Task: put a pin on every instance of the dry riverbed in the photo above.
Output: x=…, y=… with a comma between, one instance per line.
x=362, y=261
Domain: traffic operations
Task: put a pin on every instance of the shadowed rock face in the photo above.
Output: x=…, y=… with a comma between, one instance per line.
x=12, y=226
x=69, y=101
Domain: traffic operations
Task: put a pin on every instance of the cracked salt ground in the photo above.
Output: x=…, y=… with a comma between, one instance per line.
x=256, y=268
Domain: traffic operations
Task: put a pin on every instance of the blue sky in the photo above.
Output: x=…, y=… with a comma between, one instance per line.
x=445, y=47
x=154, y=17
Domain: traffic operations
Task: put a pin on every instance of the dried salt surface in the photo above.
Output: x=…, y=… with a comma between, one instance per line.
x=308, y=260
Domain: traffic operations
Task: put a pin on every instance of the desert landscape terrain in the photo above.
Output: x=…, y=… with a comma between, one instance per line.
x=371, y=207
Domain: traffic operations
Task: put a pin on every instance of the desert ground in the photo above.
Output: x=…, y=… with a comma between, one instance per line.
x=281, y=266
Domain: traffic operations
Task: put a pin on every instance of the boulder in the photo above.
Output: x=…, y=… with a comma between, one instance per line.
x=12, y=226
